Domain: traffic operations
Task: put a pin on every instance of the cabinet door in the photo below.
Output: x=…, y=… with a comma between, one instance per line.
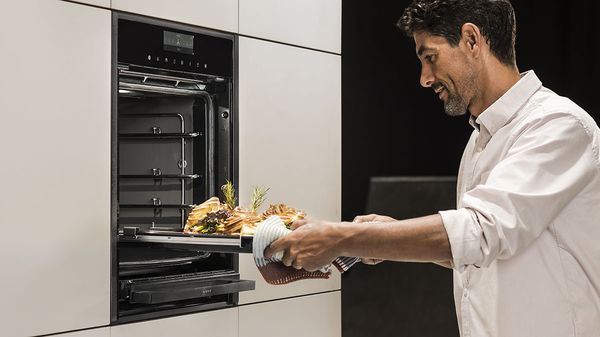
x=289, y=140
x=55, y=171
x=310, y=23
x=216, y=14
x=101, y=3
x=218, y=323
x=315, y=316
x=101, y=332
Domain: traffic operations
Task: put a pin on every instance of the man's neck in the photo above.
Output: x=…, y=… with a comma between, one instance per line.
x=493, y=84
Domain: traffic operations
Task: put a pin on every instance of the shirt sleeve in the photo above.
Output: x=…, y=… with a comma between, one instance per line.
x=548, y=164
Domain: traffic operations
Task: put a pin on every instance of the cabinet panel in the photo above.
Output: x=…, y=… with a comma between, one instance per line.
x=309, y=23
x=101, y=3
x=265, y=291
x=55, y=172
x=221, y=14
x=315, y=316
x=102, y=332
x=219, y=323
x=289, y=140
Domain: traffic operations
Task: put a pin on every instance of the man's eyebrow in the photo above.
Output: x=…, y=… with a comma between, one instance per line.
x=423, y=49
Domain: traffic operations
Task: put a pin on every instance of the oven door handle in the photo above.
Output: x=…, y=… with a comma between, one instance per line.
x=189, y=290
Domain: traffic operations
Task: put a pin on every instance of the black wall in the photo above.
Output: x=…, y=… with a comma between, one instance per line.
x=393, y=127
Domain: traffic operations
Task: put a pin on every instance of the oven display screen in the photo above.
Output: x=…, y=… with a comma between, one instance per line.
x=177, y=42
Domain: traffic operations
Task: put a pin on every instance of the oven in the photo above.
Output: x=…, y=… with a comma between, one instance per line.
x=174, y=143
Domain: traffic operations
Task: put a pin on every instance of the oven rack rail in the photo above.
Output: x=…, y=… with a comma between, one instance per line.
x=157, y=206
x=160, y=176
x=140, y=135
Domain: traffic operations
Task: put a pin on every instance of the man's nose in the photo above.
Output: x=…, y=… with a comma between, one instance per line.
x=427, y=78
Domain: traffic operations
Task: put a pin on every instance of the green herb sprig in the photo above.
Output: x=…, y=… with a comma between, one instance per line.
x=259, y=194
x=229, y=193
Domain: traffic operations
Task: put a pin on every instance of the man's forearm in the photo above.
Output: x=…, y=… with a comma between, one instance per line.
x=420, y=239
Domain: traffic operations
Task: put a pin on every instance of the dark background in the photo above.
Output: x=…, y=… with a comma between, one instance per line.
x=393, y=127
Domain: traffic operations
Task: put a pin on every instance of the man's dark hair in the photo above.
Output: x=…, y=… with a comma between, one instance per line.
x=445, y=18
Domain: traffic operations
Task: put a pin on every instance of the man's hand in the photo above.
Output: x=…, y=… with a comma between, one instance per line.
x=311, y=245
x=372, y=218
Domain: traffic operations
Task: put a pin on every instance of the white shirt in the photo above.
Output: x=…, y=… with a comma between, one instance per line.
x=525, y=238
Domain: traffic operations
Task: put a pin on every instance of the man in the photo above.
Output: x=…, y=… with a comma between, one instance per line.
x=525, y=239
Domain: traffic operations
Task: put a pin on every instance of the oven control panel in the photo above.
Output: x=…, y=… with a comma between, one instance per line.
x=175, y=49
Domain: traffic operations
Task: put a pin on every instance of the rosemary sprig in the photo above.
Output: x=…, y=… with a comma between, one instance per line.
x=259, y=195
x=229, y=193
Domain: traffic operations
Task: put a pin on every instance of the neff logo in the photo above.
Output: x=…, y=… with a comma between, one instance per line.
x=206, y=291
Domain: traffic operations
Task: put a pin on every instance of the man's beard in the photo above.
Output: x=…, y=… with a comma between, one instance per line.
x=456, y=105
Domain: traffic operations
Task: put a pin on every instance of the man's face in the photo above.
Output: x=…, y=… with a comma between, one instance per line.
x=448, y=70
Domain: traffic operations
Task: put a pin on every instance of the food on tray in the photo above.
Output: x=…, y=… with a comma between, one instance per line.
x=240, y=218
x=196, y=219
x=216, y=217
x=286, y=213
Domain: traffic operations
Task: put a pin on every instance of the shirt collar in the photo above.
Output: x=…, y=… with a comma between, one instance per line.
x=473, y=122
x=504, y=108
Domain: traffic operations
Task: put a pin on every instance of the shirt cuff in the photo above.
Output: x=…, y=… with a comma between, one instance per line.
x=464, y=234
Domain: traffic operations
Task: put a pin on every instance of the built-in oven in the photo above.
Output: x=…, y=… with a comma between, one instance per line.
x=174, y=143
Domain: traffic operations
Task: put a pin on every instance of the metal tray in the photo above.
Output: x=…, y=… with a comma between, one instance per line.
x=205, y=242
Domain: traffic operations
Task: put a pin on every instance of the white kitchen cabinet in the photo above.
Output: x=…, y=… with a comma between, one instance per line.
x=101, y=3
x=100, y=332
x=314, y=316
x=265, y=291
x=216, y=14
x=55, y=167
x=310, y=23
x=289, y=141
x=218, y=323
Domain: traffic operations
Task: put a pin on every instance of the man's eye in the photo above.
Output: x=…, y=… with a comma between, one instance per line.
x=429, y=58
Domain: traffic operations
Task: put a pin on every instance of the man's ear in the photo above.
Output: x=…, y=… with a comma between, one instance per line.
x=471, y=35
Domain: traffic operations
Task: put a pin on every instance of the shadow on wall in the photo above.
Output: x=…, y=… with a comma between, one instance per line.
x=402, y=299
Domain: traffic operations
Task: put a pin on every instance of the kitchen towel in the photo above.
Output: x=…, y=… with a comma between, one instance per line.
x=275, y=272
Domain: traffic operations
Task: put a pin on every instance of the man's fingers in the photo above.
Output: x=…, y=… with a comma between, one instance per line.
x=296, y=265
x=275, y=246
x=298, y=223
x=268, y=253
x=288, y=259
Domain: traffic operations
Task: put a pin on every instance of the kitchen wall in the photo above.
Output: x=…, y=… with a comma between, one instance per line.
x=391, y=126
